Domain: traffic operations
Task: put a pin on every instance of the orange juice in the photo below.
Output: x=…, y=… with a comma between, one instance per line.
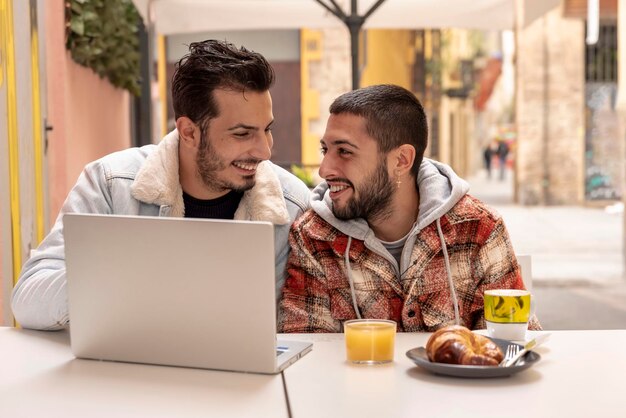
x=370, y=341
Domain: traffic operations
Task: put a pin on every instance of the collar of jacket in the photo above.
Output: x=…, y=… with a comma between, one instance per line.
x=157, y=183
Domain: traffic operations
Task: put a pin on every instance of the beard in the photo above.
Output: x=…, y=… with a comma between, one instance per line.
x=372, y=200
x=210, y=163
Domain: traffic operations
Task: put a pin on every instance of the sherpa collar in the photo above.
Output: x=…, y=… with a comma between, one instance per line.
x=157, y=183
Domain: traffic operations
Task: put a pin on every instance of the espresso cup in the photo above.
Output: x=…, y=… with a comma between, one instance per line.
x=507, y=312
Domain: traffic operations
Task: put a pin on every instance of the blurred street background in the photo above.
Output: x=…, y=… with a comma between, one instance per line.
x=576, y=257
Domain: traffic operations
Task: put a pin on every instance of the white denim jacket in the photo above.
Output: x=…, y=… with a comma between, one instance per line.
x=143, y=181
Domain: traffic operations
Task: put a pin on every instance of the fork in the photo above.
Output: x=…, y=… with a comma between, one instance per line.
x=511, y=351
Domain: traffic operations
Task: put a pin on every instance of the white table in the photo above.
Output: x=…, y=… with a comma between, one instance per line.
x=39, y=377
x=580, y=374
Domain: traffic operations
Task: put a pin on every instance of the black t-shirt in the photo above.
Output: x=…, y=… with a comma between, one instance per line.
x=221, y=208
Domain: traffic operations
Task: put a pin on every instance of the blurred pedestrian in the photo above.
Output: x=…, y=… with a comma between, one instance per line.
x=488, y=154
x=502, y=152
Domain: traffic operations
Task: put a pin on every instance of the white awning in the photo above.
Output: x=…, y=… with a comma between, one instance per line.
x=189, y=16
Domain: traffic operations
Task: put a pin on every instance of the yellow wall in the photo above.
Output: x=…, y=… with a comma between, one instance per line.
x=310, y=50
x=389, y=60
x=10, y=144
x=389, y=57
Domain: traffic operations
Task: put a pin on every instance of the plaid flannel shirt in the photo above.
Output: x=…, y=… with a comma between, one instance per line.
x=317, y=295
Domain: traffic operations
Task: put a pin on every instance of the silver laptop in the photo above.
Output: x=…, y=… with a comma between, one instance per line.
x=172, y=291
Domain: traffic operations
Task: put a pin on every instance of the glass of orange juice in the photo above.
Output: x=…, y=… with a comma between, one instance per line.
x=370, y=341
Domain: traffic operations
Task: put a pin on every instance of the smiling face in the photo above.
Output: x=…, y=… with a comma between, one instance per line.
x=356, y=172
x=235, y=142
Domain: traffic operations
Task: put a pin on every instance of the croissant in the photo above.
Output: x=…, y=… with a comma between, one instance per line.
x=458, y=345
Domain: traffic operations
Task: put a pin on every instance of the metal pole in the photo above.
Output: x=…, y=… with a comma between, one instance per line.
x=355, y=30
x=354, y=22
x=142, y=105
x=142, y=124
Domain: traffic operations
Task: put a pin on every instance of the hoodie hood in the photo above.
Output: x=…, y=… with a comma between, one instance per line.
x=440, y=189
x=439, y=186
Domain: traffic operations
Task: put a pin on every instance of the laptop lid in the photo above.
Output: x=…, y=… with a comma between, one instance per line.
x=173, y=291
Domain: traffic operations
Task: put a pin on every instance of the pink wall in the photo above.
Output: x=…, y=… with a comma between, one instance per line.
x=90, y=117
x=97, y=118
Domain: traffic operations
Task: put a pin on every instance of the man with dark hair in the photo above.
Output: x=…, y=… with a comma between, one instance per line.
x=213, y=165
x=390, y=234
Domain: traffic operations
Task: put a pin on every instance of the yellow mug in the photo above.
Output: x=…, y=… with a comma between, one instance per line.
x=507, y=312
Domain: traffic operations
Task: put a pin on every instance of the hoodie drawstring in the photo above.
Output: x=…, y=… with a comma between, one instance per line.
x=444, y=248
x=349, y=272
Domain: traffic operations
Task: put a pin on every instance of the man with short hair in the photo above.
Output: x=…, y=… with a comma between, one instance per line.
x=213, y=165
x=391, y=235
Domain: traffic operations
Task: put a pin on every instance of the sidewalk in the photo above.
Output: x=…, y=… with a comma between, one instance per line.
x=569, y=245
